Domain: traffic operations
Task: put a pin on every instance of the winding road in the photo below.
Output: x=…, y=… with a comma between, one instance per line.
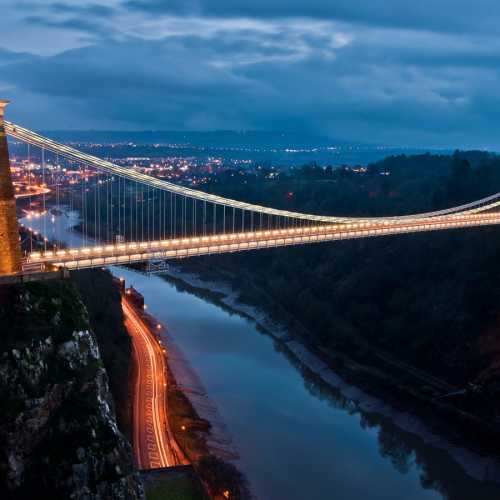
x=154, y=445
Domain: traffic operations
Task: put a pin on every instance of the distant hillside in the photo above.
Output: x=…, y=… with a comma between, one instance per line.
x=216, y=138
x=276, y=148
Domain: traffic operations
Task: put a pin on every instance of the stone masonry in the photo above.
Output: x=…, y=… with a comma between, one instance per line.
x=10, y=249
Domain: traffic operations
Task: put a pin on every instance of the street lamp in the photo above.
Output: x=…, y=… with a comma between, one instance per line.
x=183, y=438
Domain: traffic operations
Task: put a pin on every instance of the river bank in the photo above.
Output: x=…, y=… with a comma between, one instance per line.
x=191, y=438
x=197, y=427
x=369, y=382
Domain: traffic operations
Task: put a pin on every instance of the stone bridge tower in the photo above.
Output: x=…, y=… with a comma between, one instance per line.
x=10, y=248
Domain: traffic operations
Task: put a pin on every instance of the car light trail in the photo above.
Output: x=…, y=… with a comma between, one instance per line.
x=149, y=398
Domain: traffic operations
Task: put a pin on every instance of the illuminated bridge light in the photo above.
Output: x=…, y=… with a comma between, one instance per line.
x=279, y=231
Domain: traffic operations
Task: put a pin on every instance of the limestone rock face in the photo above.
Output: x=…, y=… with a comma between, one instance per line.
x=58, y=431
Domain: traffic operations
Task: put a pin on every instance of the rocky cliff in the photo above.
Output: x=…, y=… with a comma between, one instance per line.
x=58, y=431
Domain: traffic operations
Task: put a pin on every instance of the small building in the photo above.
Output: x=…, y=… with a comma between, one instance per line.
x=135, y=297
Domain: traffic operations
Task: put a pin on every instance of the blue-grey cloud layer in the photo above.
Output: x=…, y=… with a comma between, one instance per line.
x=442, y=15
x=387, y=71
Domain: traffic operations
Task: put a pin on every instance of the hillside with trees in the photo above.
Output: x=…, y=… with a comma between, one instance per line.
x=430, y=300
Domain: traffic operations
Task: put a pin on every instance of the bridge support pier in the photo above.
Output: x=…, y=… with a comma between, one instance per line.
x=10, y=248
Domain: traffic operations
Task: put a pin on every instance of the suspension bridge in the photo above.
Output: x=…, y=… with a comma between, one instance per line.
x=127, y=216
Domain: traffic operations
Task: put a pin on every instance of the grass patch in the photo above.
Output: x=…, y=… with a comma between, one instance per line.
x=175, y=488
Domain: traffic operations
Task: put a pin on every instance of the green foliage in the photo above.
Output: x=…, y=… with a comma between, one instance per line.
x=103, y=302
x=222, y=476
x=175, y=488
x=427, y=298
x=54, y=388
x=36, y=310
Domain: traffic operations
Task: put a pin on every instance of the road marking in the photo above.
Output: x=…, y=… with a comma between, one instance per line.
x=153, y=409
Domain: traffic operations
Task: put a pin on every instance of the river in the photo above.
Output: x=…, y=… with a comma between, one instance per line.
x=296, y=440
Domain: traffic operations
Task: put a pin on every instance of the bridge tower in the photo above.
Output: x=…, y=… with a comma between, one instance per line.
x=10, y=248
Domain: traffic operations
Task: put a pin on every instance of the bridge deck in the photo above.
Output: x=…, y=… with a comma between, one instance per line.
x=127, y=253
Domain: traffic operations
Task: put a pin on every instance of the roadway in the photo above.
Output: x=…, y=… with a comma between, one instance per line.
x=30, y=191
x=154, y=446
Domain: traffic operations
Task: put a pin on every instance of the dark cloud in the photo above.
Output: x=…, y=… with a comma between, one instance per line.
x=441, y=15
x=62, y=8
x=8, y=57
x=173, y=84
x=181, y=7
x=394, y=72
x=73, y=23
x=151, y=84
x=78, y=17
x=91, y=10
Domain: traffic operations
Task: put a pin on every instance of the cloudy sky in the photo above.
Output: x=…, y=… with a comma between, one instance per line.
x=407, y=72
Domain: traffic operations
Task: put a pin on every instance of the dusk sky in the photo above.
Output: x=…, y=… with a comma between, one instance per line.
x=416, y=73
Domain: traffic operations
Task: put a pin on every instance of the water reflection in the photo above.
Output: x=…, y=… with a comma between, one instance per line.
x=407, y=451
